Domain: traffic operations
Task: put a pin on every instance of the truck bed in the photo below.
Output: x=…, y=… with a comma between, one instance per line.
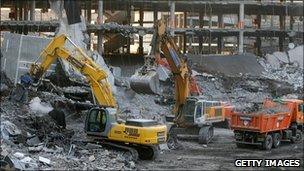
x=265, y=120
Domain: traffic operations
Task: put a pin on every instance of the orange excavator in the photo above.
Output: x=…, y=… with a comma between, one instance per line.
x=193, y=115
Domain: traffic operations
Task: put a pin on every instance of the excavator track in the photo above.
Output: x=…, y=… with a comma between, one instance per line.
x=137, y=151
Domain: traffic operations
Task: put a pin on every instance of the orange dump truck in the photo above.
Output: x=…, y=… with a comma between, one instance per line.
x=278, y=120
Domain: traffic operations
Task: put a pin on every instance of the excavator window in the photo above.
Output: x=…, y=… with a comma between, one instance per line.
x=188, y=110
x=198, y=113
x=97, y=121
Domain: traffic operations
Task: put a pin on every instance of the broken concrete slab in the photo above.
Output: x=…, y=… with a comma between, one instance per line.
x=91, y=158
x=293, y=56
x=33, y=141
x=229, y=65
x=44, y=160
x=35, y=149
x=19, y=51
x=37, y=106
x=18, y=155
x=8, y=129
x=163, y=73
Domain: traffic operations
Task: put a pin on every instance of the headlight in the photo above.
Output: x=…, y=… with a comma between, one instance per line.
x=246, y=122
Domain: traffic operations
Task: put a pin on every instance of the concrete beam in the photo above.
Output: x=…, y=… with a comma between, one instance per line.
x=201, y=25
x=172, y=14
x=32, y=10
x=100, y=21
x=185, y=36
x=241, y=27
x=141, y=23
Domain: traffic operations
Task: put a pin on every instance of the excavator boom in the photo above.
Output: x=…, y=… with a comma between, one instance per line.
x=96, y=77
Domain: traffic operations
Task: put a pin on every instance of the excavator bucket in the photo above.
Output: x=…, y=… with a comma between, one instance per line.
x=146, y=83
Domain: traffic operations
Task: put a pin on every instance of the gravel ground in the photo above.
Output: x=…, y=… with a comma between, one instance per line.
x=220, y=154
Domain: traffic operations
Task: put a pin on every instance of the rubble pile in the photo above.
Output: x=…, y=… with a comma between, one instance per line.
x=245, y=91
x=133, y=105
x=31, y=139
x=285, y=66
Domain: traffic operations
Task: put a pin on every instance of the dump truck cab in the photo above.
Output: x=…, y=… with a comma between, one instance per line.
x=300, y=113
x=297, y=107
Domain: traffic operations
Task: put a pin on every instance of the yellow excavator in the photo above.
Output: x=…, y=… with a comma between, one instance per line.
x=141, y=137
x=193, y=115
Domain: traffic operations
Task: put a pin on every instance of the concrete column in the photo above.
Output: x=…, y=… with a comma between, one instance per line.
x=16, y=10
x=20, y=13
x=241, y=28
x=25, y=10
x=141, y=23
x=219, y=44
x=185, y=36
x=291, y=25
x=155, y=15
x=258, y=41
x=201, y=25
x=172, y=14
x=129, y=9
x=89, y=19
x=219, y=38
x=281, y=36
x=210, y=25
x=281, y=43
x=89, y=11
x=32, y=11
x=100, y=21
x=220, y=21
x=282, y=22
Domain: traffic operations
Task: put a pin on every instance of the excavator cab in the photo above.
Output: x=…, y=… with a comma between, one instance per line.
x=197, y=111
x=98, y=122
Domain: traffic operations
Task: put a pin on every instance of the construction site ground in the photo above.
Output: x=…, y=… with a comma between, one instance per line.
x=220, y=154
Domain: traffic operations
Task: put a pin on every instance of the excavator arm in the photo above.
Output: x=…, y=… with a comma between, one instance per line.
x=178, y=65
x=96, y=77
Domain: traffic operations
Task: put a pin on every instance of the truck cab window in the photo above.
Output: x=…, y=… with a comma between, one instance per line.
x=301, y=108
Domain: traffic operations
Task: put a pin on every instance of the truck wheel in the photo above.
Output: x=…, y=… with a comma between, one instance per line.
x=276, y=140
x=240, y=145
x=267, y=144
x=205, y=134
x=297, y=138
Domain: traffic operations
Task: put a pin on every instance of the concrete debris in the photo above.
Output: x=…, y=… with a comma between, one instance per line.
x=35, y=149
x=19, y=155
x=5, y=84
x=292, y=57
x=44, y=160
x=17, y=56
x=163, y=73
x=59, y=117
x=228, y=65
x=39, y=107
x=77, y=33
x=91, y=158
x=8, y=129
x=33, y=141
